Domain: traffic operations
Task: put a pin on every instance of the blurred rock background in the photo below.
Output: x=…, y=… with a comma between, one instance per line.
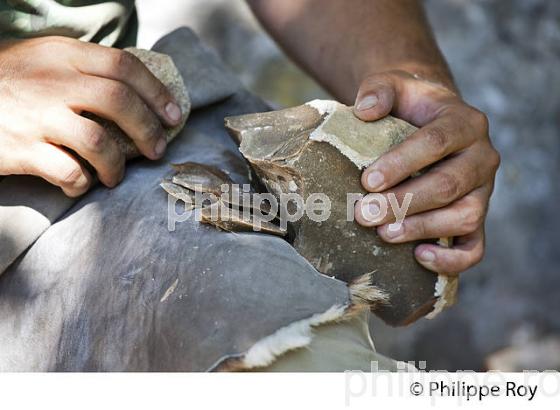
x=506, y=59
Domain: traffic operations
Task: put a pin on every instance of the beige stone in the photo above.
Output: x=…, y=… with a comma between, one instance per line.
x=164, y=69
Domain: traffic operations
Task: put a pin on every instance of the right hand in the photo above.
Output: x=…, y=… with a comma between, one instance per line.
x=452, y=145
x=46, y=83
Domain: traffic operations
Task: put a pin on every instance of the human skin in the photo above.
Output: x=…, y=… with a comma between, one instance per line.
x=46, y=83
x=379, y=53
x=381, y=56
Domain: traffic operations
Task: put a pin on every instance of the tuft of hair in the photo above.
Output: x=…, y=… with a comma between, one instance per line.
x=293, y=336
x=296, y=335
x=363, y=292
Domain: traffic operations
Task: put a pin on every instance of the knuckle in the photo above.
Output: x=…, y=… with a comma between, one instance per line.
x=437, y=141
x=378, y=81
x=72, y=177
x=21, y=167
x=162, y=95
x=120, y=94
x=420, y=229
x=95, y=138
x=494, y=159
x=111, y=170
x=374, y=79
x=51, y=44
x=151, y=128
x=448, y=187
x=122, y=62
x=115, y=176
x=471, y=219
x=391, y=162
x=58, y=40
x=477, y=254
x=479, y=120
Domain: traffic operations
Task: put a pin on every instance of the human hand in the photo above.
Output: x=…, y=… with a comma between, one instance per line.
x=453, y=147
x=46, y=83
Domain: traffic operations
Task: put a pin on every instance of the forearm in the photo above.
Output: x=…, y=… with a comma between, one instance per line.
x=342, y=42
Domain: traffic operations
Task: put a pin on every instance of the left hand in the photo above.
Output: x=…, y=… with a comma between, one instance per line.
x=452, y=145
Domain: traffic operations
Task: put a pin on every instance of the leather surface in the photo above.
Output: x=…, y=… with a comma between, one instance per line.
x=108, y=287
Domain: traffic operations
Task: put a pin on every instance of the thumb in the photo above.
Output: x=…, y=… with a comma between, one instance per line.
x=375, y=99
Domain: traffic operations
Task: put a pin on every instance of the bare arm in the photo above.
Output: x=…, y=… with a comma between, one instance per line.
x=382, y=55
x=340, y=42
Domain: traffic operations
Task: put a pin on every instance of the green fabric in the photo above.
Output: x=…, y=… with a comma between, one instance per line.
x=110, y=23
x=336, y=347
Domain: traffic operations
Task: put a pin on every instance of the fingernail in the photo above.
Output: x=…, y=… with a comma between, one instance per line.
x=367, y=102
x=173, y=112
x=370, y=212
x=375, y=179
x=428, y=256
x=394, y=230
x=160, y=147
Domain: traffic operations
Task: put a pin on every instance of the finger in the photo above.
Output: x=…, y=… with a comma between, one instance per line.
x=443, y=184
x=412, y=99
x=118, y=102
x=467, y=252
x=375, y=99
x=462, y=217
x=122, y=66
x=58, y=167
x=91, y=141
x=448, y=134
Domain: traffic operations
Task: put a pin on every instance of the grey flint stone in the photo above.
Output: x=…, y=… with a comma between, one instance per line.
x=321, y=147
